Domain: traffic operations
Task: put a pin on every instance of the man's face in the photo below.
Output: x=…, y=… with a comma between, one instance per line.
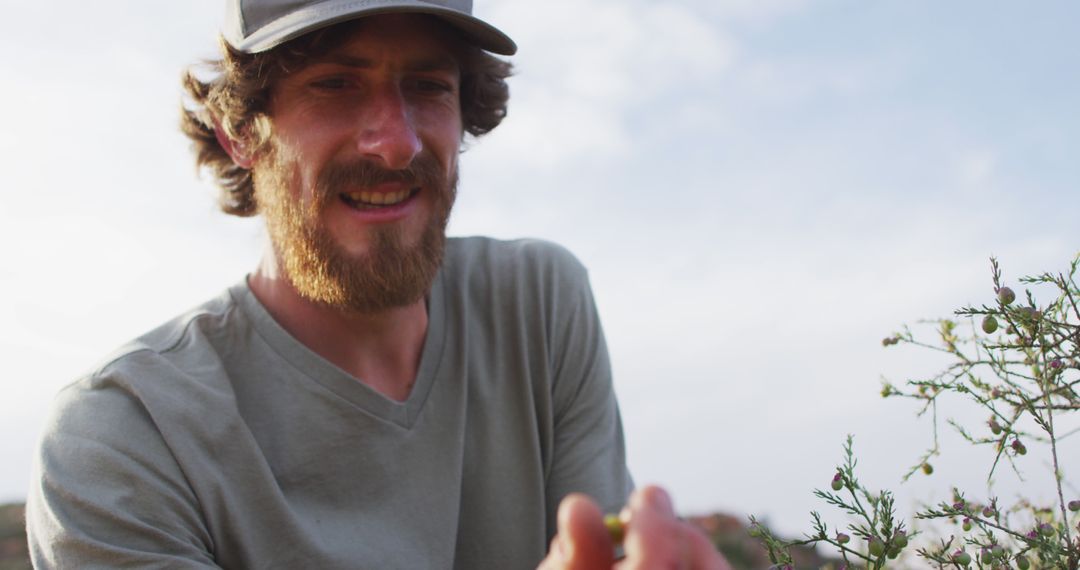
x=360, y=176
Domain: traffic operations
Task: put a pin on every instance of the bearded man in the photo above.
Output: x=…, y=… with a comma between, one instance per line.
x=373, y=395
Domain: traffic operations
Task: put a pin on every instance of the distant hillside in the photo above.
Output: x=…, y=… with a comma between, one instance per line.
x=13, y=552
x=732, y=537
x=727, y=532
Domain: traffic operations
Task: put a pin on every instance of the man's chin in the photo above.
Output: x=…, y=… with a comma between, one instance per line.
x=360, y=244
x=383, y=275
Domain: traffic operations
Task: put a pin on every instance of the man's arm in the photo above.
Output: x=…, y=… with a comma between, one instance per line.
x=588, y=449
x=107, y=492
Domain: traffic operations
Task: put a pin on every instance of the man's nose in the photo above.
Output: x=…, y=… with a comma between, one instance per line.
x=388, y=130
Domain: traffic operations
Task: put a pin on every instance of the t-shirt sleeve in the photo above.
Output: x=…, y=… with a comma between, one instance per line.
x=107, y=492
x=589, y=450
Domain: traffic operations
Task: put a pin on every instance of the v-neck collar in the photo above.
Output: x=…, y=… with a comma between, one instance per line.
x=343, y=384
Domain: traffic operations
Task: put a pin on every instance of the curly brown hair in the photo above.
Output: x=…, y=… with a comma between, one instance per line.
x=237, y=93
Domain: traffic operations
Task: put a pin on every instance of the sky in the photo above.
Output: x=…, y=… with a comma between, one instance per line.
x=762, y=190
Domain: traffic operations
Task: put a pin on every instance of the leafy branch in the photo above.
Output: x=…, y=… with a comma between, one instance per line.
x=1020, y=363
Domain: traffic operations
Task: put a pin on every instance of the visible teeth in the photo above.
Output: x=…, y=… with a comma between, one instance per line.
x=379, y=198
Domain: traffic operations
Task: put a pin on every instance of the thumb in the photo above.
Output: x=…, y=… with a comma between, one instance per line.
x=582, y=542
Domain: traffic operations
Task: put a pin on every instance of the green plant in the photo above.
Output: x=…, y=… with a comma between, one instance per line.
x=1025, y=377
x=883, y=538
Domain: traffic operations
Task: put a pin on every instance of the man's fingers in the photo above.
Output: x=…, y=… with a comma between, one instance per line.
x=583, y=538
x=657, y=539
x=653, y=539
x=582, y=542
x=653, y=498
x=702, y=551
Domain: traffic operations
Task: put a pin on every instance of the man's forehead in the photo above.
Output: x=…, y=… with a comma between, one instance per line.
x=342, y=57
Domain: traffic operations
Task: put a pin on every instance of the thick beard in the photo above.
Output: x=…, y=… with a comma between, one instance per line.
x=391, y=274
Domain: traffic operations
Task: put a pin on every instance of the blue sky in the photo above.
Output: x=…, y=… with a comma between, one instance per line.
x=762, y=190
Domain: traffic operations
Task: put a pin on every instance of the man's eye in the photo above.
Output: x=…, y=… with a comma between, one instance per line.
x=330, y=83
x=432, y=86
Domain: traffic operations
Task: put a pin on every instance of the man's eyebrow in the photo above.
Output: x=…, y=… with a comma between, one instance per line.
x=440, y=63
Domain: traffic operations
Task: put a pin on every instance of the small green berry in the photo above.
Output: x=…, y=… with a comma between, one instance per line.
x=1006, y=296
x=1022, y=562
x=1046, y=529
x=927, y=469
x=900, y=539
x=995, y=427
x=989, y=324
x=1029, y=316
x=967, y=525
x=989, y=512
x=985, y=557
x=877, y=548
x=962, y=558
x=842, y=538
x=617, y=531
x=1074, y=506
x=998, y=551
x=837, y=481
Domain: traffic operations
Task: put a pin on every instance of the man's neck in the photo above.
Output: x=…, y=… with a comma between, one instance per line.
x=381, y=349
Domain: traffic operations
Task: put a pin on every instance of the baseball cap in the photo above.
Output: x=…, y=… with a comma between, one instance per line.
x=253, y=26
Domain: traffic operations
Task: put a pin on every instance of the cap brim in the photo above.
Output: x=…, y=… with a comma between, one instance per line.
x=323, y=14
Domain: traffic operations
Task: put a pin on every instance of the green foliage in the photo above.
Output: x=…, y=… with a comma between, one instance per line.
x=1025, y=377
x=882, y=537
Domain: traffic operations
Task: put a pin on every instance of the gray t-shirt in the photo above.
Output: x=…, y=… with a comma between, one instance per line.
x=218, y=440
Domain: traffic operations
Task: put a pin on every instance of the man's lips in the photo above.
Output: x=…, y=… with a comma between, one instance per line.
x=367, y=199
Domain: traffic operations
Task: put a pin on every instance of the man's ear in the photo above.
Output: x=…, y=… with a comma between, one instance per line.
x=235, y=149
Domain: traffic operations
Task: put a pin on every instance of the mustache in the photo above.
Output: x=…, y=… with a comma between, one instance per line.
x=341, y=176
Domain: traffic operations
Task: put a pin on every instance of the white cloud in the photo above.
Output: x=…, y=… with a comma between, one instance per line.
x=576, y=91
x=752, y=11
x=808, y=79
x=976, y=168
x=8, y=142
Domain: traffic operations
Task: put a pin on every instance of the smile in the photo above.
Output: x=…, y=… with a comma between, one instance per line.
x=377, y=199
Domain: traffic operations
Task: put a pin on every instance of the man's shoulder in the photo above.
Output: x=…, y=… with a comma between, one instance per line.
x=177, y=344
x=526, y=257
x=503, y=278
x=170, y=370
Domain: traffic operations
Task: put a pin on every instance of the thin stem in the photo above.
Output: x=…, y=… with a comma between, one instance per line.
x=1053, y=452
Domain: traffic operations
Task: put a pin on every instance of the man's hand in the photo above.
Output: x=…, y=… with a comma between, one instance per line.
x=655, y=538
